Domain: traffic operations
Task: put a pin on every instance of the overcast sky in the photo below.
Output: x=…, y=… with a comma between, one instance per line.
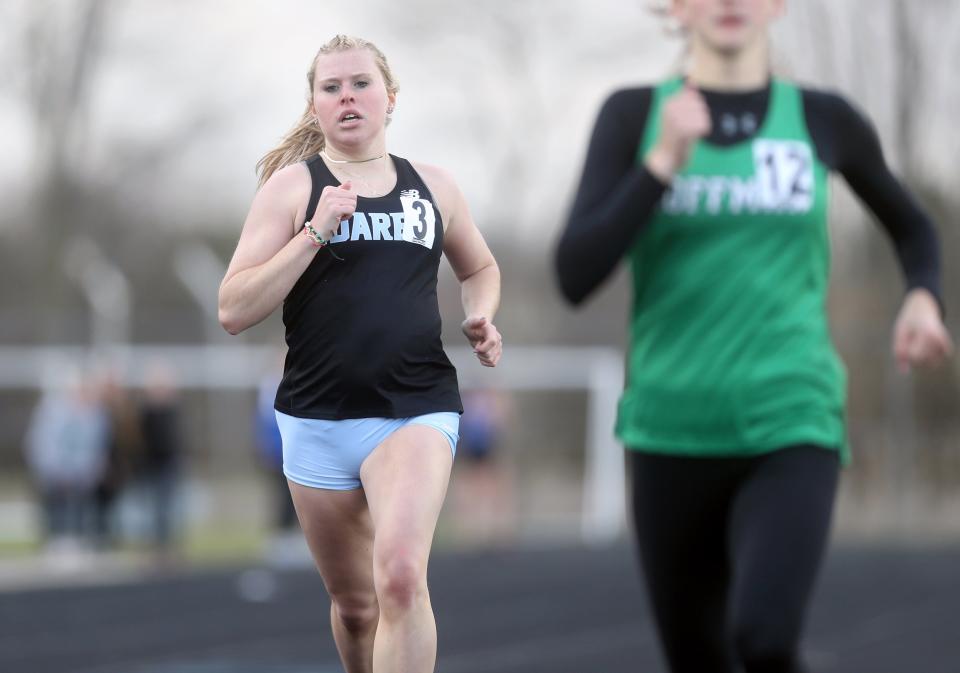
x=484, y=86
x=503, y=92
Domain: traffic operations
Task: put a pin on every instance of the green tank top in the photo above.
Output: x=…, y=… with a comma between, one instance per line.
x=730, y=351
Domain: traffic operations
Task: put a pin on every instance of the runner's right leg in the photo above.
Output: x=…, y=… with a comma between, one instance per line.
x=339, y=532
x=679, y=515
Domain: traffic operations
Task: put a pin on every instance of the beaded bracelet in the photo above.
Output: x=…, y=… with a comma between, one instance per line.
x=314, y=235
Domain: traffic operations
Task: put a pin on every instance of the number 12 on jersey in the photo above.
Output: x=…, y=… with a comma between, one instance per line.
x=784, y=170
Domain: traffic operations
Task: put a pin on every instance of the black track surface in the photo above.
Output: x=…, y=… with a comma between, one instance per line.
x=878, y=609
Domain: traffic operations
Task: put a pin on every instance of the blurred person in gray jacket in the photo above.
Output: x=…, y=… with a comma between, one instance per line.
x=66, y=453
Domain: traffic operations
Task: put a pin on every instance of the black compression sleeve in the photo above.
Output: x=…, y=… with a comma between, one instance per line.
x=847, y=142
x=615, y=198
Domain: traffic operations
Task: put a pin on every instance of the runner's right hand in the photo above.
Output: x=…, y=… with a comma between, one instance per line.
x=335, y=204
x=685, y=119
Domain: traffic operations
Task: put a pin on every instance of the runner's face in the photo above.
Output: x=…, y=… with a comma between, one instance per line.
x=350, y=98
x=727, y=26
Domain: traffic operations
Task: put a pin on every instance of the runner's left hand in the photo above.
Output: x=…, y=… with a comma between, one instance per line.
x=485, y=339
x=919, y=336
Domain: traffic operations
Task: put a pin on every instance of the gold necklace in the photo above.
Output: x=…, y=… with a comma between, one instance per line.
x=366, y=185
x=349, y=161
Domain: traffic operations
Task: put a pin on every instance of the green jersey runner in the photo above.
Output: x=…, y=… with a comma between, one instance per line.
x=730, y=349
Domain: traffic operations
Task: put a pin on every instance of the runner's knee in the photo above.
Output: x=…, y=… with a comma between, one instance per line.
x=400, y=579
x=357, y=611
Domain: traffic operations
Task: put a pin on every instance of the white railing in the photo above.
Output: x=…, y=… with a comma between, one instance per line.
x=598, y=371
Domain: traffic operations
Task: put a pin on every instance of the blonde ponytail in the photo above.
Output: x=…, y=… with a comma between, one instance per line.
x=306, y=139
x=302, y=141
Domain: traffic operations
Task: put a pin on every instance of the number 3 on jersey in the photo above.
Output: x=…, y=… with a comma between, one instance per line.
x=419, y=221
x=784, y=171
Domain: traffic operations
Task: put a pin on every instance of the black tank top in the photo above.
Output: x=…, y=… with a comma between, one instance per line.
x=363, y=334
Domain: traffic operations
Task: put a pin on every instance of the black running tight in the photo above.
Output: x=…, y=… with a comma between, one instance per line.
x=730, y=548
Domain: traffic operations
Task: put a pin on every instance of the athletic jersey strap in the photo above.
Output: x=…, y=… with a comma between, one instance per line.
x=316, y=167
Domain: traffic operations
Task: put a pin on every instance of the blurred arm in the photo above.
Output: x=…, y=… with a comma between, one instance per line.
x=269, y=257
x=846, y=141
x=614, y=200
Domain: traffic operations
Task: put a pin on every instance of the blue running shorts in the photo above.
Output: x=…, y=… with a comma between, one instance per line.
x=327, y=454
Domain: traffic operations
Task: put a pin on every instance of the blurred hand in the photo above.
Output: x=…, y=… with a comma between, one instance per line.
x=919, y=336
x=685, y=119
x=485, y=339
x=335, y=204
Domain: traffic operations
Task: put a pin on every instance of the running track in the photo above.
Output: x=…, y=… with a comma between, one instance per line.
x=879, y=609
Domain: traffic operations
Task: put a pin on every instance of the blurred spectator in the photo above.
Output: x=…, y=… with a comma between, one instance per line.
x=285, y=545
x=271, y=452
x=124, y=446
x=159, y=467
x=484, y=414
x=482, y=489
x=66, y=452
